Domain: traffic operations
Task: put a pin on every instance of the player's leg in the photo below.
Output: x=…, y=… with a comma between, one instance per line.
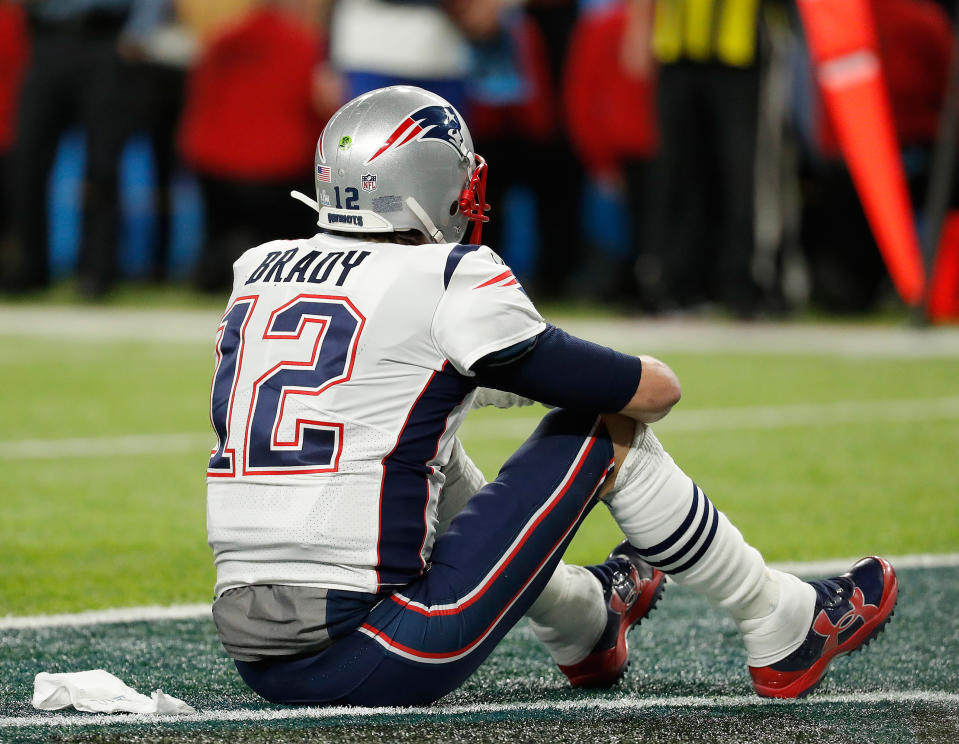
x=104, y=94
x=569, y=615
x=670, y=520
x=791, y=629
x=44, y=111
x=583, y=613
x=486, y=570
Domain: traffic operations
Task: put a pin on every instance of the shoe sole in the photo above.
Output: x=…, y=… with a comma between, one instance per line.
x=814, y=676
x=660, y=587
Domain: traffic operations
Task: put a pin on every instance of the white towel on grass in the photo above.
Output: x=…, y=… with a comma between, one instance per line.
x=98, y=691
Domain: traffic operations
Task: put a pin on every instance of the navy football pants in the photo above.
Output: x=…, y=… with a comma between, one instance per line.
x=486, y=570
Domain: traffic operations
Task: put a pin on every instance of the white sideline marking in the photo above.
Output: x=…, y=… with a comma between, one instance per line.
x=183, y=325
x=848, y=340
x=812, y=414
x=151, y=613
x=835, y=566
x=705, y=419
x=559, y=706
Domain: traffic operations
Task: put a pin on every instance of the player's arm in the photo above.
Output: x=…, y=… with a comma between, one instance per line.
x=562, y=370
x=486, y=326
x=656, y=393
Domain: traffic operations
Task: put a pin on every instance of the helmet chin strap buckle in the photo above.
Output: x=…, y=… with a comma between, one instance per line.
x=473, y=199
x=435, y=234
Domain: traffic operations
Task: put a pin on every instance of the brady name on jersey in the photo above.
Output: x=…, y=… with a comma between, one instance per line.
x=302, y=265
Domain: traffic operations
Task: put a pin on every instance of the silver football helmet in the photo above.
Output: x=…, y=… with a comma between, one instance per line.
x=399, y=158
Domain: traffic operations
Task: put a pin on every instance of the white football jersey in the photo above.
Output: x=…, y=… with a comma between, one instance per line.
x=342, y=374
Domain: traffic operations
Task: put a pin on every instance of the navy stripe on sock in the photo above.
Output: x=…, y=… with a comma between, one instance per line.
x=670, y=541
x=703, y=548
x=709, y=511
x=679, y=554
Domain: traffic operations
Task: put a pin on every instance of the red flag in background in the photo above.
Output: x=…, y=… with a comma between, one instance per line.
x=943, y=301
x=844, y=49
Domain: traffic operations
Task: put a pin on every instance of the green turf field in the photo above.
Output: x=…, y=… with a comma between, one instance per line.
x=103, y=444
x=686, y=683
x=814, y=452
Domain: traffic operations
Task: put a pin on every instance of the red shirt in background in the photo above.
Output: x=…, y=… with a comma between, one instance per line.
x=249, y=113
x=915, y=42
x=13, y=60
x=611, y=115
x=534, y=116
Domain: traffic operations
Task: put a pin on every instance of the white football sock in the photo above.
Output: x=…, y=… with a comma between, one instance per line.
x=675, y=527
x=570, y=615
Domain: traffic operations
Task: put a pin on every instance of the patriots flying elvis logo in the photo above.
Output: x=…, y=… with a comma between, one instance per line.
x=430, y=122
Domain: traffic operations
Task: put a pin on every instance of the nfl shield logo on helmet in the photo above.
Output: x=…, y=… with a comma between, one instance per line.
x=368, y=181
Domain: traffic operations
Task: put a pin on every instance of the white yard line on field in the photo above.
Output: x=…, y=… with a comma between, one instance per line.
x=153, y=613
x=621, y=705
x=706, y=419
x=751, y=417
x=147, y=613
x=75, y=323
x=108, y=446
x=812, y=414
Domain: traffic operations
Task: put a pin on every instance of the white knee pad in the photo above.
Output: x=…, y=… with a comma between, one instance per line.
x=463, y=479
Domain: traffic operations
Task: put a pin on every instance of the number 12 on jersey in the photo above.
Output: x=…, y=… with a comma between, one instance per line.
x=330, y=326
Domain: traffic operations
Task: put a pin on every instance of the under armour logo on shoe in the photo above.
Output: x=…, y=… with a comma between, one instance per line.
x=831, y=631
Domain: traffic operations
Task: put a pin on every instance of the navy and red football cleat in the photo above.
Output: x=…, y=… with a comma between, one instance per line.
x=631, y=588
x=851, y=610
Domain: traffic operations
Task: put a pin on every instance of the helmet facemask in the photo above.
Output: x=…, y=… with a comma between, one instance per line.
x=473, y=200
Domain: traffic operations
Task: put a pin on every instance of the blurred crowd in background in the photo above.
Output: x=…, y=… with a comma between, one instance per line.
x=664, y=155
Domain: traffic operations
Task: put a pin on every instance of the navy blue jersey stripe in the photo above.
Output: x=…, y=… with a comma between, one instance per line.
x=453, y=260
x=405, y=490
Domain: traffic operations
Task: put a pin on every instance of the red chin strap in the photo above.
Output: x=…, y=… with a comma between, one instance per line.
x=473, y=200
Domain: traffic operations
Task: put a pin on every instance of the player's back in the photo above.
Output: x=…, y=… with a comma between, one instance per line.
x=335, y=406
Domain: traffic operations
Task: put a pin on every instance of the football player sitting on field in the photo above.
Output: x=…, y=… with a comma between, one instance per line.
x=361, y=558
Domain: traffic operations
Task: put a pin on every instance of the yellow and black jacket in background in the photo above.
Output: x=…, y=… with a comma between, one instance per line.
x=723, y=31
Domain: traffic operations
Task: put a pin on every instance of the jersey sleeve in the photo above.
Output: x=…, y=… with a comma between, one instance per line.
x=483, y=309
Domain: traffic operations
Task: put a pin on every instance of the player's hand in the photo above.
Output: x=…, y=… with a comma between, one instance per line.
x=658, y=391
